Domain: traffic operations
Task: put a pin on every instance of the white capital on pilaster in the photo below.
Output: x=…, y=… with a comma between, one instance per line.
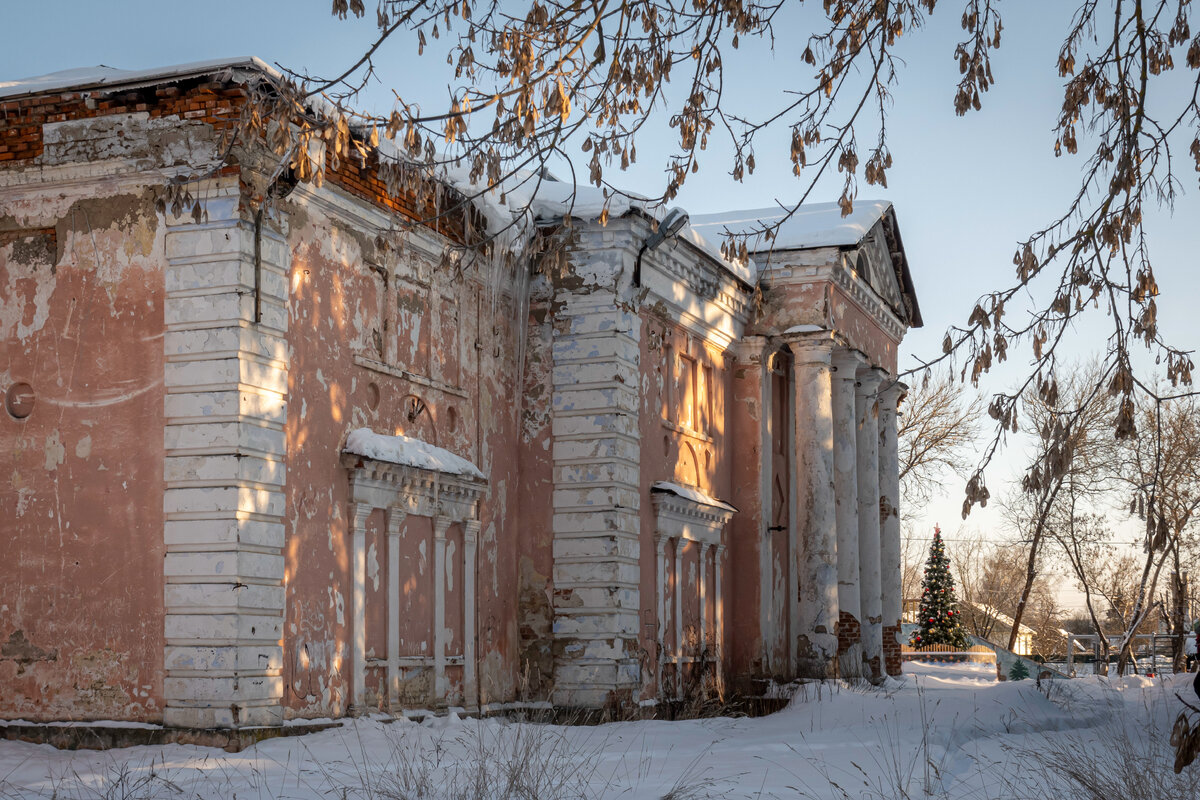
x=395, y=518
x=750, y=349
x=441, y=524
x=471, y=530
x=361, y=512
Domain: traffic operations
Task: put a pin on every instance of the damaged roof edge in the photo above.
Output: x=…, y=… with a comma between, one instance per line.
x=103, y=77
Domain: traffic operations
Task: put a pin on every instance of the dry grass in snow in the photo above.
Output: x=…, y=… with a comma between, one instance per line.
x=941, y=732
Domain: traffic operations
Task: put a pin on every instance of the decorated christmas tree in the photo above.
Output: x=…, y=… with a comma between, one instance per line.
x=939, y=617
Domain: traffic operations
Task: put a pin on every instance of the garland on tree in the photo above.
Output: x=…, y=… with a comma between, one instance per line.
x=939, y=616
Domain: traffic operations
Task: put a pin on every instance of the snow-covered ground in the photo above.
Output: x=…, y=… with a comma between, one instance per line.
x=945, y=731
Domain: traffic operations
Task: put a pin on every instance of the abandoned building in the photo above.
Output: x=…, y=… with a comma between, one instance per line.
x=258, y=467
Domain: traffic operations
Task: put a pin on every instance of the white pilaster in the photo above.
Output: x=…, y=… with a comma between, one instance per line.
x=678, y=618
x=225, y=378
x=395, y=518
x=597, y=496
x=703, y=591
x=358, y=606
x=470, y=681
x=816, y=520
x=661, y=566
x=868, y=521
x=440, y=526
x=719, y=606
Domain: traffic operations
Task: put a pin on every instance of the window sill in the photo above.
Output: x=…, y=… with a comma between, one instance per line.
x=384, y=369
x=686, y=431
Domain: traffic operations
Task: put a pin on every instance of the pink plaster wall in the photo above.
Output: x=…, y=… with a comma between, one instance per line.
x=81, y=478
x=685, y=430
x=462, y=370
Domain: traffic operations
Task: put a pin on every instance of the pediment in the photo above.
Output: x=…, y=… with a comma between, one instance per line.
x=873, y=264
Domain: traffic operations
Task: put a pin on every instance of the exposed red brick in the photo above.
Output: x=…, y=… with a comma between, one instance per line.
x=849, y=631
x=891, y=649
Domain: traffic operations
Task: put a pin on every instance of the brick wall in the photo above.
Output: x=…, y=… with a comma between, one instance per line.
x=849, y=631
x=21, y=119
x=891, y=649
x=218, y=104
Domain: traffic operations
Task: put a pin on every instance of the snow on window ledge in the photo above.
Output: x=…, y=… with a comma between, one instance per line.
x=409, y=452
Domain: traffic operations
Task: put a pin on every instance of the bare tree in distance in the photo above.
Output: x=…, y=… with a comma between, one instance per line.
x=1071, y=463
x=1163, y=469
x=1086, y=543
x=938, y=432
x=990, y=578
x=546, y=83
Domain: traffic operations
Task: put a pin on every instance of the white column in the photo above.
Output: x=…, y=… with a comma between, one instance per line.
x=395, y=518
x=868, y=522
x=358, y=633
x=889, y=512
x=470, y=687
x=815, y=635
x=440, y=525
x=846, y=364
x=660, y=559
x=703, y=590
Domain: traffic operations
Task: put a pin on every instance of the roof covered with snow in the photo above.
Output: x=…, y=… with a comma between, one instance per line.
x=546, y=197
x=408, y=452
x=816, y=225
x=103, y=76
x=813, y=225
x=690, y=493
x=550, y=199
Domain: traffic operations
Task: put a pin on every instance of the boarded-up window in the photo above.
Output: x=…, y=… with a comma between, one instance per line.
x=377, y=310
x=665, y=377
x=687, y=392
x=446, y=351
x=412, y=329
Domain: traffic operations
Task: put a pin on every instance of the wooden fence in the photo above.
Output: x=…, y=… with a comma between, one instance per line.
x=937, y=652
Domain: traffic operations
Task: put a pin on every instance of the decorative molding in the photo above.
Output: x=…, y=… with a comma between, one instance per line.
x=684, y=518
x=448, y=499
x=869, y=301
x=415, y=491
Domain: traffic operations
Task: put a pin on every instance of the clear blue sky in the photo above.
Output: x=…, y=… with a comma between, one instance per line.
x=965, y=189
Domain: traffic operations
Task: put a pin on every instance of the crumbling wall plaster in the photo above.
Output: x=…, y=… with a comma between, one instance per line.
x=360, y=297
x=81, y=477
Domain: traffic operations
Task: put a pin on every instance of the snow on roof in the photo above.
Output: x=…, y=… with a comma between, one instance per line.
x=547, y=199
x=550, y=199
x=409, y=452
x=690, y=493
x=813, y=225
x=99, y=76
x=1000, y=616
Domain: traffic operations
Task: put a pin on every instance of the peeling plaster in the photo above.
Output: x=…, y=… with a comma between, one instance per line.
x=54, y=451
